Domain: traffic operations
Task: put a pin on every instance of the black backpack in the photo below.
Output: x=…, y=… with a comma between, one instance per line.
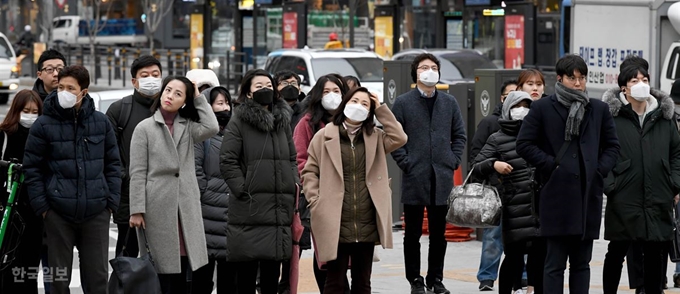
x=124, y=115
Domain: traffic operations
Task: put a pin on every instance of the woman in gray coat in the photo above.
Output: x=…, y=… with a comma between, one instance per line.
x=165, y=194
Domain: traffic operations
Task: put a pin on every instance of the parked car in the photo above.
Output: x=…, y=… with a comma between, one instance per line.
x=314, y=63
x=456, y=65
x=9, y=79
x=104, y=99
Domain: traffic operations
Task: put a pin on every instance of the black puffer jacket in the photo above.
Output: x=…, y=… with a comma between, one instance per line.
x=520, y=214
x=214, y=195
x=258, y=163
x=71, y=162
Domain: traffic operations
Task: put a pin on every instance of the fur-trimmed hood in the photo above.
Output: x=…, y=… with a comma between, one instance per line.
x=254, y=114
x=203, y=77
x=615, y=100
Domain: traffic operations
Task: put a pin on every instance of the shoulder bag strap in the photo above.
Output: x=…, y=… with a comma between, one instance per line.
x=560, y=153
x=4, y=145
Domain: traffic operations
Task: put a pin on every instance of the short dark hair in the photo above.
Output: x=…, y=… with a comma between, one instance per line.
x=632, y=60
x=353, y=79
x=50, y=54
x=142, y=62
x=79, y=73
x=189, y=110
x=284, y=75
x=630, y=72
x=570, y=63
x=339, y=117
x=220, y=90
x=508, y=83
x=419, y=59
x=247, y=80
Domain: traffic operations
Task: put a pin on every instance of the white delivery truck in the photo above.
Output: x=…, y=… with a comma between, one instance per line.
x=73, y=30
x=604, y=32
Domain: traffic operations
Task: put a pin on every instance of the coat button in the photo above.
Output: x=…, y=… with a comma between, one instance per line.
x=575, y=176
x=379, y=178
x=369, y=184
x=573, y=155
x=177, y=175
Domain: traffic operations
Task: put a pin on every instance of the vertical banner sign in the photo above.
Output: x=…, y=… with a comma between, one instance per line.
x=514, y=41
x=196, y=42
x=290, y=28
x=383, y=36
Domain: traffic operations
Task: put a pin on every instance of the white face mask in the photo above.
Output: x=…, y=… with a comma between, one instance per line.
x=518, y=113
x=67, y=99
x=640, y=91
x=429, y=78
x=27, y=119
x=149, y=86
x=355, y=112
x=331, y=101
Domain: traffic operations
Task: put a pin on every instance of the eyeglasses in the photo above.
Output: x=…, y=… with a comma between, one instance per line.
x=425, y=67
x=286, y=84
x=51, y=70
x=581, y=79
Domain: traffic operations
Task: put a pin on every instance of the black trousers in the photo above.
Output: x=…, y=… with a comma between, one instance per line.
x=361, y=255
x=320, y=276
x=177, y=283
x=27, y=256
x=413, y=218
x=92, y=240
x=510, y=276
x=652, y=262
x=131, y=248
x=269, y=276
x=635, y=265
x=579, y=253
x=202, y=282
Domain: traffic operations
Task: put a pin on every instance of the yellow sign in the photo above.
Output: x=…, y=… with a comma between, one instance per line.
x=196, y=43
x=383, y=36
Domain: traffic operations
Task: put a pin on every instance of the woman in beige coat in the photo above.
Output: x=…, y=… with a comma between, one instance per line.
x=354, y=211
x=164, y=193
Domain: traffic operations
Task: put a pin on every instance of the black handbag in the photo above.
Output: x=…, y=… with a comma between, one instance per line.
x=132, y=275
x=674, y=250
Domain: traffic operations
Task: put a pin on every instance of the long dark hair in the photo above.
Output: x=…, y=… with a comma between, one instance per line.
x=247, y=81
x=189, y=110
x=11, y=123
x=339, y=117
x=315, y=94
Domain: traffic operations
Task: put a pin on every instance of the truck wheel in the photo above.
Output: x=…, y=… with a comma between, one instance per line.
x=4, y=98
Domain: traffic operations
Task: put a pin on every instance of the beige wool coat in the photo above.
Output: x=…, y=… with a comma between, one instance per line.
x=163, y=186
x=325, y=196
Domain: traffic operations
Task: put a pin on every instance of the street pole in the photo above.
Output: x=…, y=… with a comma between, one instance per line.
x=352, y=13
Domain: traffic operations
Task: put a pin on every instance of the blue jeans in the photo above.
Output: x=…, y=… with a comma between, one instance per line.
x=492, y=250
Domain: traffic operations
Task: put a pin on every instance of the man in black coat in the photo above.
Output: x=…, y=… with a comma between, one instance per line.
x=50, y=63
x=492, y=245
x=571, y=140
x=434, y=125
x=72, y=171
x=125, y=115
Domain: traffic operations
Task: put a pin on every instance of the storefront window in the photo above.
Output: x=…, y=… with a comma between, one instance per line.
x=181, y=19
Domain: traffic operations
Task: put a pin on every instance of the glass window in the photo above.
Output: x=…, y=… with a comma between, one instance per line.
x=5, y=51
x=366, y=69
x=295, y=64
x=468, y=62
x=181, y=19
x=62, y=23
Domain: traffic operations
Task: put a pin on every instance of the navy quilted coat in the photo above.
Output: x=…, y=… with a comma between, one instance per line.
x=71, y=162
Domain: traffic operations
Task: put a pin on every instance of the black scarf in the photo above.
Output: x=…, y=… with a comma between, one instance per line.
x=576, y=101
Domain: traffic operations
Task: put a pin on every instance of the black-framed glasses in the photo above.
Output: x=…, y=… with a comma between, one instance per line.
x=286, y=84
x=50, y=70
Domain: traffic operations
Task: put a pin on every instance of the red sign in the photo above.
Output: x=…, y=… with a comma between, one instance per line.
x=290, y=23
x=514, y=41
x=61, y=3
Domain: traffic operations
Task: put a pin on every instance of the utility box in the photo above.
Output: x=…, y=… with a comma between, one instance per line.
x=487, y=90
x=397, y=81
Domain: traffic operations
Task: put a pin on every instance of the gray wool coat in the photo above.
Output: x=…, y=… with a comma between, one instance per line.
x=163, y=178
x=434, y=145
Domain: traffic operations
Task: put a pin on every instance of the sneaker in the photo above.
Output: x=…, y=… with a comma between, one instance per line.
x=676, y=280
x=518, y=292
x=437, y=288
x=486, y=285
x=418, y=286
x=640, y=290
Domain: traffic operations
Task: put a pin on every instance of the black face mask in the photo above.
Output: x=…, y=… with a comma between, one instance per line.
x=264, y=96
x=223, y=117
x=290, y=93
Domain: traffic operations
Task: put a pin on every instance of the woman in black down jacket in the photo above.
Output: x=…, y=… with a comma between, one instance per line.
x=214, y=201
x=258, y=163
x=520, y=219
